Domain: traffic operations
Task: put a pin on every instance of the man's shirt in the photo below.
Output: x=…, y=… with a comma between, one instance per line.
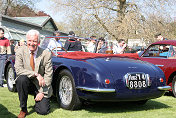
x=117, y=49
x=91, y=47
x=60, y=43
x=53, y=44
x=5, y=46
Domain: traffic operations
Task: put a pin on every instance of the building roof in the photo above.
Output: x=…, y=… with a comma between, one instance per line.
x=38, y=20
x=44, y=24
x=34, y=20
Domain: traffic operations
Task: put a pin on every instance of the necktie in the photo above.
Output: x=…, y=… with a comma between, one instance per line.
x=32, y=61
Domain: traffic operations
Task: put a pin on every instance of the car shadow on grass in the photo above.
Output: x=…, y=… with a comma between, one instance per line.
x=4, y=113
x=119, y=107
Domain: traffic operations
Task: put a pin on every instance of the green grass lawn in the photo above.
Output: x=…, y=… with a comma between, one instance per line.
x=163, y=107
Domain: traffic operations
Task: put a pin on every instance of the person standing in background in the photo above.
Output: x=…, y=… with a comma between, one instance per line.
x=55, y=42
x=71, y=33
x=119, y=47
x=12, y=46
x=92, y=44
x=58, y=33
x=4, y=50
x=159, y=37
x=72, y=43
x=20, y=44
x=101, y=48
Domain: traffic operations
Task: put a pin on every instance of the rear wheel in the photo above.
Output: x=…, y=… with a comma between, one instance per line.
x=174, y=86
x=66, y=91
x=10, y=78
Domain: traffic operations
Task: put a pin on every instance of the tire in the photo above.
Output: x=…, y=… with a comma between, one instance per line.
x=174, y=86
x=66, y=92
x=10, y=77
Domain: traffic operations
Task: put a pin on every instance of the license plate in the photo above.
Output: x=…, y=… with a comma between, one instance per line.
x=136, y=80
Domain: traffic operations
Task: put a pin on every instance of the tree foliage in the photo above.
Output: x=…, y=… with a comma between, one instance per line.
x=119, y=18
x=16, y=8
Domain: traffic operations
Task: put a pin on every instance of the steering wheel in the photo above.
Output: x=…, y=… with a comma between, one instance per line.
x=56, y=52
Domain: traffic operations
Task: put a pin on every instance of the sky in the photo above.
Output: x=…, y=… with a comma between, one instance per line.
x=45, y=5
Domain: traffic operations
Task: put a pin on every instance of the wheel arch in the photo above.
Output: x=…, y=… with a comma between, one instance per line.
x=55, y=77
x=171, y=78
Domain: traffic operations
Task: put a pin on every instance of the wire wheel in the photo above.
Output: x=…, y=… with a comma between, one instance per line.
x=10, y=78
x=174, y=86
x=65, y=90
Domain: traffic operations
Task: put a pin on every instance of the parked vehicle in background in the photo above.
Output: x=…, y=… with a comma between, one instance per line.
x=163, y=55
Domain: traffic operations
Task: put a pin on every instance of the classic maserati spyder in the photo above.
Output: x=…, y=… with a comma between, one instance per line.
x=83, y=76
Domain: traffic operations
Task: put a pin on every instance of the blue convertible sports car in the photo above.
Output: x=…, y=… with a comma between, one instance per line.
x=83, y=76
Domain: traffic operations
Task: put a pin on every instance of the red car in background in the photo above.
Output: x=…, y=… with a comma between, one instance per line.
x=163, y=55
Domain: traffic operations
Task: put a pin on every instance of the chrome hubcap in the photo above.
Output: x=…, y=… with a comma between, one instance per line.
x=65, y=90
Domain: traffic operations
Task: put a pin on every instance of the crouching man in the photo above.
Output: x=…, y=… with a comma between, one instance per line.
x=34, y=68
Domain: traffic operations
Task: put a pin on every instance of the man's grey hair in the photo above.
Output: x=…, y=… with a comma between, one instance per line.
x=33, y=32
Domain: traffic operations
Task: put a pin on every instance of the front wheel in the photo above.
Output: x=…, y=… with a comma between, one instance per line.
x=174, y=86
x=66, y=91
x=10, y=77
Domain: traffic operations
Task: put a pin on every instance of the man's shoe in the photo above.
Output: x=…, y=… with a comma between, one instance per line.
x=22, y=114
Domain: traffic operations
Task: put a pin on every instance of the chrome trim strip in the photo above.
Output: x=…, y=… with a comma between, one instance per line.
x=159, y=65
x=96, y=89
x=164, y=88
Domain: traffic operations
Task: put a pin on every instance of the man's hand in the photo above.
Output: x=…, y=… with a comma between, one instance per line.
x=40, y=80
x=39, y=97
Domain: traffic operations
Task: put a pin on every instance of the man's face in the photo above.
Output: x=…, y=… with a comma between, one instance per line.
x=21, y=43
x=32, y=42
x=57, y=34
x=93, y=41
x=1, y=34
x=12, y=42
x=122, y=43
x=159, y=38
x=101, y=42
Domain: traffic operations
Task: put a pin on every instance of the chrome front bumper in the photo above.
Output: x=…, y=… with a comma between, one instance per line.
x=164, y=88
x=96, y=90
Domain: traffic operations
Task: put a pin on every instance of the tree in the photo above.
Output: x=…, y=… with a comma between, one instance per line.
x=121, y=18
x=103, y=11
x=18, y=7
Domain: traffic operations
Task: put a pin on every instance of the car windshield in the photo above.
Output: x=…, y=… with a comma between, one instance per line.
x=160, y=51
x=65, y=44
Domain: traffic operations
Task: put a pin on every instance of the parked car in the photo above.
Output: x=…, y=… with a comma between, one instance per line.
x=163, y=55
x=84, y=76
